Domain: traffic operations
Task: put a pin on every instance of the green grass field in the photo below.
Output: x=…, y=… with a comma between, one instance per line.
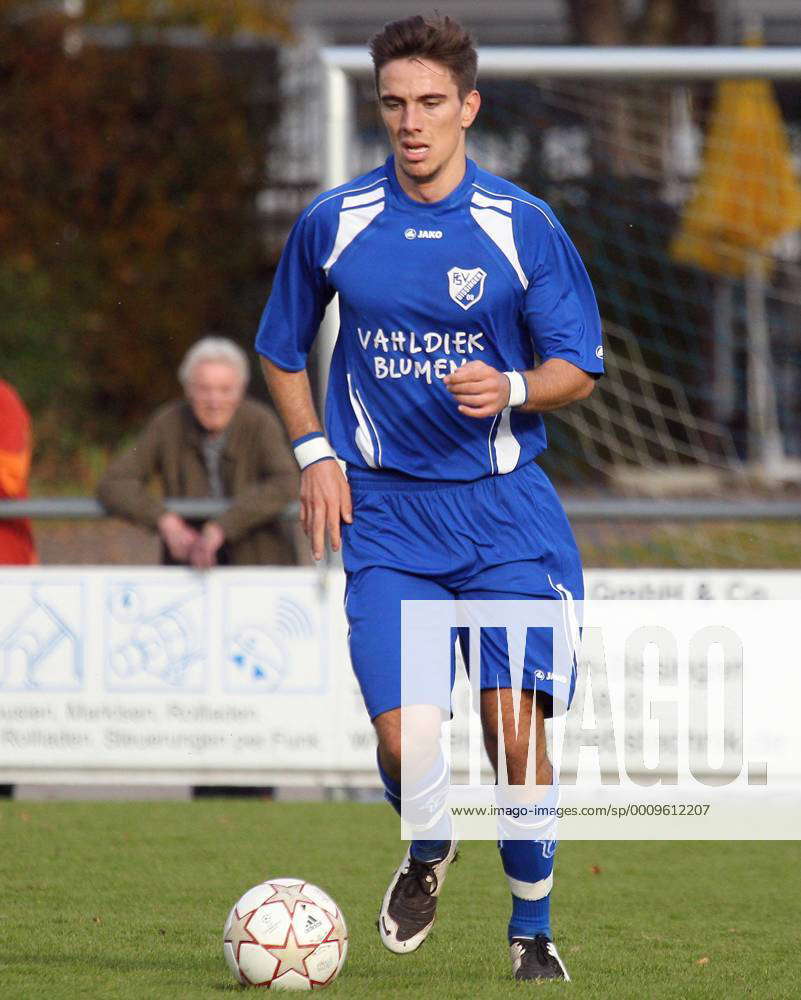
x=128, y=900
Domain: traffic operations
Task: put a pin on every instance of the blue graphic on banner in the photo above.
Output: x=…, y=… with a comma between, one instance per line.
x=40, y=647
x=154, y=638
x=283, y=651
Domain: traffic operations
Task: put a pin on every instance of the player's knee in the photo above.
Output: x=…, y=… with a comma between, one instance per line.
x=526, y=769
x=519, y=759
x=388, y=730
x=390, y=757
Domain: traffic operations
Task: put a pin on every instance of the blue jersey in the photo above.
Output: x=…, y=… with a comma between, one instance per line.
x=485, y=274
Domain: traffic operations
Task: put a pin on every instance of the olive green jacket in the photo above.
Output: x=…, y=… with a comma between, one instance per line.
x=257, y=468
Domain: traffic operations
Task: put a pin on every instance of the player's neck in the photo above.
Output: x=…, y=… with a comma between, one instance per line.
x=431, y=189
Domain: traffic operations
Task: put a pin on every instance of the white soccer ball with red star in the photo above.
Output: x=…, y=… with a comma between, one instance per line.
x=285, y=934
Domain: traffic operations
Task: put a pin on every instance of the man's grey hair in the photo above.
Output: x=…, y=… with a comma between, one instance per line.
x=219, y=349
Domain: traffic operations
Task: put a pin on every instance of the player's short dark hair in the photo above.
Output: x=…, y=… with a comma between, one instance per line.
x=441, y=39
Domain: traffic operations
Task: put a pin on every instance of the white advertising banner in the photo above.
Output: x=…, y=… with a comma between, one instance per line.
x=691, y=585
x=166, y=674
x=242, y=676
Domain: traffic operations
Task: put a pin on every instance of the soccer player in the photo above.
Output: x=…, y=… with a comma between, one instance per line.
x=465, y=313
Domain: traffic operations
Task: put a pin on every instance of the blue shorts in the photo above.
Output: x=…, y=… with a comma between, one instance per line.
x=499, y=538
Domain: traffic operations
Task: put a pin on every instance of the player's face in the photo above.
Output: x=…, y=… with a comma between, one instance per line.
x=214, y=391
x=426, y=121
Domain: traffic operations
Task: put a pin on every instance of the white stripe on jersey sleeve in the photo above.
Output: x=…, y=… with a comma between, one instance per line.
x=502, y=204
x=337, y=194
x=353, y=221
x=354, y=200
x=490, y=215
x=522, y=201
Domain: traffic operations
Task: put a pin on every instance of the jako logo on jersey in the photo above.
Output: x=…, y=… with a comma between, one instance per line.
x=466, y=285
x=599, y=352
x=423, y=234
x=541, y=675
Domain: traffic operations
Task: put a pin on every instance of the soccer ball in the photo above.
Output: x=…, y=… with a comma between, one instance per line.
x=285, y=934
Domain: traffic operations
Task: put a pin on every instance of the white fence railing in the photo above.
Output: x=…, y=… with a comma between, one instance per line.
x=595, y=509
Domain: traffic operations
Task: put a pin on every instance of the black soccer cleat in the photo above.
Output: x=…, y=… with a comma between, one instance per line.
x=536, y=958
x=410, y=902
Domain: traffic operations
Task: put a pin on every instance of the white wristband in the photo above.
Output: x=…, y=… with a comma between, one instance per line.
x=518, y=388
x=308, y=452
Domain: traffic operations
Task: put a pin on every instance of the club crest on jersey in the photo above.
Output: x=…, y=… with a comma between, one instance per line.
x=466, y=285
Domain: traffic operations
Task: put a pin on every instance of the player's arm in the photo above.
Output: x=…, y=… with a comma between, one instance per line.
x=324, y=492
x=561, y=315
x=482, y=391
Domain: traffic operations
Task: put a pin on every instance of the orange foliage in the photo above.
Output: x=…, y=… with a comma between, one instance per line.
x=220, y=18
x=128, y=219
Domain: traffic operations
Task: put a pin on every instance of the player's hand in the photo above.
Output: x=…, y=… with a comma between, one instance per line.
x=178, y=536
x=203, y=554
x=479, y=389
x=324, y=503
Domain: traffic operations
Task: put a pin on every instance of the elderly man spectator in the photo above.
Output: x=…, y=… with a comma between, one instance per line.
x=214, y=443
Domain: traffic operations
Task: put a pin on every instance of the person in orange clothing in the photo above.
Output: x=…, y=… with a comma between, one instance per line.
x=16, y=540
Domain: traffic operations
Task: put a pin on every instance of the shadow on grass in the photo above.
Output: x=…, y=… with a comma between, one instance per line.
x=19, y=961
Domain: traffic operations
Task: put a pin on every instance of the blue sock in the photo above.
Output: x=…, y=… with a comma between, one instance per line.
x=423, y=850
x=430, y=850
x=529, y=867
x=392, y=788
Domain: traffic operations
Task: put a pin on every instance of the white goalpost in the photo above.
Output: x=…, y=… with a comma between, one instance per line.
x=343, y=63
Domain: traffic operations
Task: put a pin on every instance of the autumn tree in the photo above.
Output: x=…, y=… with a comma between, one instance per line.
x=129, y=223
